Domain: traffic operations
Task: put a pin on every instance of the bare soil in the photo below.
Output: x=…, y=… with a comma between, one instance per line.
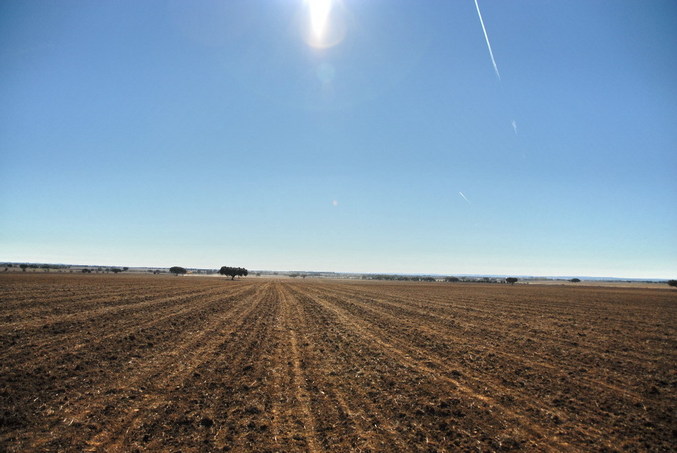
x=158, y=363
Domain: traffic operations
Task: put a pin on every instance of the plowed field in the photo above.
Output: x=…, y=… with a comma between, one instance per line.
x=156, y=363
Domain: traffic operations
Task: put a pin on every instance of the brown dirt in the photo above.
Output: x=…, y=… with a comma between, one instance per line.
x=159, y=363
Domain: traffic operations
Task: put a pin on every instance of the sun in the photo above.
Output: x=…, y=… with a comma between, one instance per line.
x=326, y=24
x=319, y=17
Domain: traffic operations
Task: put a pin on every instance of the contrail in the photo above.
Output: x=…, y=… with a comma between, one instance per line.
x=463, y=196
x=514, y=126
x=491, y=54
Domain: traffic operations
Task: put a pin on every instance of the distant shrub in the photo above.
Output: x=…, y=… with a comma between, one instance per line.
x=575, y=280
x=511, y=280
x=672, y=283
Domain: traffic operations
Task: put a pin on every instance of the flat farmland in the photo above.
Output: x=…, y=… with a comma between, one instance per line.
x=157, y=363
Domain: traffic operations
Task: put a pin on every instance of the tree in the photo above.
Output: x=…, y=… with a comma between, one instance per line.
x=672, y=283
x=233, y=271
x=176, y=270
x=125, y=269
x=575, y=280
x=116, y=270
x=511, y=280
x=452, y=279
x=23, y=267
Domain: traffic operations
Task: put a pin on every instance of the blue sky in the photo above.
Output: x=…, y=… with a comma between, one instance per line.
x=202, y=134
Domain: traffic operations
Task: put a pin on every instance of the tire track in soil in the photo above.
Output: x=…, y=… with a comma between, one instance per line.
x=367, y=428
x=441, y=306
x=130, y=323
x=564, y=317
x=406, y=307
x=188, y=355
x=30, y=299
x=405, y=407
x=556, y=306
x=60, y=296
x=135, y=327
x=69, y=299
x=435, y=327
x=64, y=379
x=240, y=406
x=345, y=418
x=405, y=353
x=228, y=367
x=440, y=362
x=119, y=396
x=103, y=308
x=294, y=421
x=600, y=309
x=585, y=408
x=59, y=326
x=286, y=366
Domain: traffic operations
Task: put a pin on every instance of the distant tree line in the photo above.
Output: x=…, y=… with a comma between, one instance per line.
x=232, y=272
x=70, y=268
x=473, y=280
x=46, y=267
x=403, y=278
x=115, y=270
x=451, y=279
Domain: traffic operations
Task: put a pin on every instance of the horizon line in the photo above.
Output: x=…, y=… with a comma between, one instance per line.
x=413, y=274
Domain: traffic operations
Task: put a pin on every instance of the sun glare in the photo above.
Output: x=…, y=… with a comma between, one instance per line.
x=326, y=26
x=319, y=15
